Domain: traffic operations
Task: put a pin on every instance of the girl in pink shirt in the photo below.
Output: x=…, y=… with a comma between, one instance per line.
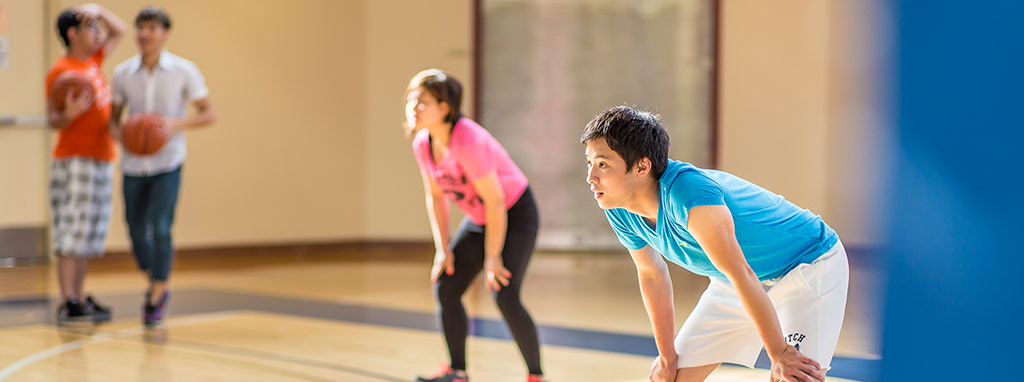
x=462, y=162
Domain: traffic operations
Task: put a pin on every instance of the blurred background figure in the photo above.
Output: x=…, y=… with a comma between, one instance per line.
x=160, y=82
x=462, y=162
x=80, y=177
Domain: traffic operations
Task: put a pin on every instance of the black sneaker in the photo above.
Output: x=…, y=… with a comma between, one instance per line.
x=447, y=374
x=74, y=311
x=100, y=313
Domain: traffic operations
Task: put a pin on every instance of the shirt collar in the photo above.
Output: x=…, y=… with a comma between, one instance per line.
x=164, y=62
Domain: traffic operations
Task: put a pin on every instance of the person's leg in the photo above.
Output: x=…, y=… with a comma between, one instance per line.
x=66, y=276
x=63, y=225
x=97, y=213
x=811, y=301
x=73, y=306
x=468, y=247
x=162, y=201
x=717, y=330
x=695, y=373
x=136, y=200
x=520, y=239
x=79, y=220
x=81, y=267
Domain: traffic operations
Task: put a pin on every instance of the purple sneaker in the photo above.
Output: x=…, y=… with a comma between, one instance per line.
x=153, y=314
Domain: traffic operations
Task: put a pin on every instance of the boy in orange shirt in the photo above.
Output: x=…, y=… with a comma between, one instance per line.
x=80, y=177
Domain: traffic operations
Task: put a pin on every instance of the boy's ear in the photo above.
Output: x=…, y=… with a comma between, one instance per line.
x=643, y=166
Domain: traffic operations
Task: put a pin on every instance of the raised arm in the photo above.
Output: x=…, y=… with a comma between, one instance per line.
x=114, y=25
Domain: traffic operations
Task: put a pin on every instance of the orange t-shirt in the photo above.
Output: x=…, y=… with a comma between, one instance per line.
x=86, y=136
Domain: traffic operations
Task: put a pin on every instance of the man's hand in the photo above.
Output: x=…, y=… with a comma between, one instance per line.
x=170, y=125
x=793, y=366
x=664, y=369
x=75, y=106
x=88, y=12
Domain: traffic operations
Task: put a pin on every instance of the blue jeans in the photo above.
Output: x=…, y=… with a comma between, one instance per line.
x=149, y=203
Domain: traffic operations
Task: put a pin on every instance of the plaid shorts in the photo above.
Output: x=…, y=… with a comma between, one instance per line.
x=80, y=192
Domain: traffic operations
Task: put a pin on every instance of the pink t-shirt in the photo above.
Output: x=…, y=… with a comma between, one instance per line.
x=472, y=154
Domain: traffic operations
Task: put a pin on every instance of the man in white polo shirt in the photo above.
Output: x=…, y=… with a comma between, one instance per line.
x=156, y=81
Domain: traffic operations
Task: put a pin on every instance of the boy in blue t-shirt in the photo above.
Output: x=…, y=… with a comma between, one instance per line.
x=779, y=274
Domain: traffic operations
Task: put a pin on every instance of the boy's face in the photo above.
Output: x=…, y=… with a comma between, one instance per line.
x=607, y=176
x=88, y=36
x=151, y=36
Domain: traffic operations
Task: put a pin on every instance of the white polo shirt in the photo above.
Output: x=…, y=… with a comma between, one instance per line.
x=167, y=90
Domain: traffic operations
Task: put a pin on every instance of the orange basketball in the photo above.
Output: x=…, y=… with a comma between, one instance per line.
x=69, y=81
x=143, y=134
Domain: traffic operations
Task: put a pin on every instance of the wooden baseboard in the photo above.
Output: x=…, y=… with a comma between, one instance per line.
x=347, y=249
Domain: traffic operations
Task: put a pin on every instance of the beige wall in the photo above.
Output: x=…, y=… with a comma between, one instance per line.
x=24, y=157
x=774, y=96
x=402, y=38
x=283, y=163
x=308, y=145
x=797, y=114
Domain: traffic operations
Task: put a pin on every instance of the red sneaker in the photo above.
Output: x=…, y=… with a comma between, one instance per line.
x=447, y=374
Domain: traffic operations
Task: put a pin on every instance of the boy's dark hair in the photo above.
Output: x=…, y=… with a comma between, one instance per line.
x=633, y=134
x=154, y=14
x=66, y=20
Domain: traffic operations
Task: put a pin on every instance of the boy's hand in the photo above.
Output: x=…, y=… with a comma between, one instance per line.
x=793, y=366
x=664, y=369
x=75, y=106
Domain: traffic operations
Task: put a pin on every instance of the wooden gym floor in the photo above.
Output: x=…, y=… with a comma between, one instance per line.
x=364, y=314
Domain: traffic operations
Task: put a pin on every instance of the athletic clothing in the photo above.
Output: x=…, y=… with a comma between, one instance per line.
x=472, y=154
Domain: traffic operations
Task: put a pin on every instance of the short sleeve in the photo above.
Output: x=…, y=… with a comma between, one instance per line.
x=195, y=86
x=694, y=188
x=628, y=238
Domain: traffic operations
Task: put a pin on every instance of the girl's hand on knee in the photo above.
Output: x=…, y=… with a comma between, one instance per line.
x=444, y=262
x=497, y=275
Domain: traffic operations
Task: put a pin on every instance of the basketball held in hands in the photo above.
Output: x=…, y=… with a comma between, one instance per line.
x=144, y=134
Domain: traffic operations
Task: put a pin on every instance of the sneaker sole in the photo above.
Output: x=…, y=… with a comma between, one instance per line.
x=101, y=317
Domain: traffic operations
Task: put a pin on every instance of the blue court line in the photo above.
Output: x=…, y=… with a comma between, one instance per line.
x=206, y=301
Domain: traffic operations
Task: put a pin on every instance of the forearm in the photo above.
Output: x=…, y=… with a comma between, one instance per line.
x=437, y=210
x=204, y=118
x=497, y=224
x=115, y=27
x=656, y=290
x=114, y=126
x=757, y=304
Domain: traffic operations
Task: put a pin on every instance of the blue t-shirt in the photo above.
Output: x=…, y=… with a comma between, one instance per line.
x=774, y=234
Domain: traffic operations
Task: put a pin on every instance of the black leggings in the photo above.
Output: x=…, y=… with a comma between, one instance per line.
x=468, y=247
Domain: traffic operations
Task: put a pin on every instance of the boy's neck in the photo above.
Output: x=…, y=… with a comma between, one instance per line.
x=645, y=201
x=150, y=60
x=80, y=54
